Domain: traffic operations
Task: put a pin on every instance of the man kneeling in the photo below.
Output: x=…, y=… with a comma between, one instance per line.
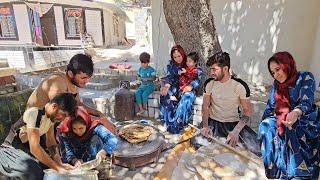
x=36, y=122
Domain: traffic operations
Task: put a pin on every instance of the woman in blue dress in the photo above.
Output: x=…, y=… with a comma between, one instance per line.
x=83, y=139
x=177, y=113
x=291, y=123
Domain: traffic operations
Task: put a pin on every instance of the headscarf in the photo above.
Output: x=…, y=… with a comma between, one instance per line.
x=282, y=99
x=183, y=54
x=65, y=126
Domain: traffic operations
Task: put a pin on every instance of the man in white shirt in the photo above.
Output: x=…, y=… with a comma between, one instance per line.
x=223, y=97
x=38, y=122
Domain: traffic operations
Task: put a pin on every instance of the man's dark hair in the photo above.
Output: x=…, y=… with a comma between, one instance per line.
x=81, y=63
x=194, y=56
x=66, y=102
x=144, y=57
x=221, y=59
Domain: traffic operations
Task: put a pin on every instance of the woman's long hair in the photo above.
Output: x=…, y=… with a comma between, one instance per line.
x=282, y=99
x=181, y=51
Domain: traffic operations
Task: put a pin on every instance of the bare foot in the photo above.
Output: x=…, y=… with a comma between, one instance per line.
x=141, y=112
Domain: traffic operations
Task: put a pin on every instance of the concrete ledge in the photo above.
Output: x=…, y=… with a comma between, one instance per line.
x=7, y=72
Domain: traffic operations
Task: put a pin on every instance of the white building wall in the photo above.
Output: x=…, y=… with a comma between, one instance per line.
x=315, y=61
x=130, y=26
x=58, y=13
x=22, y=23
x=251, y=31
x=161, y=37
x=107, y=27
x=122, y=29
x=93, y=26
x=15, y=58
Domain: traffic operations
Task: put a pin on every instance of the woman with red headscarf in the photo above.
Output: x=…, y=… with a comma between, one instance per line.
x=177, y=114
x=83, y=139
x=290, y=128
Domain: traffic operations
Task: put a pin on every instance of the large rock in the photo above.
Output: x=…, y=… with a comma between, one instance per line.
x=12, y=106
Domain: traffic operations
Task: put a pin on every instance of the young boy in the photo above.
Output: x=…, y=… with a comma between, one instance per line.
x=147, y=75
x=187, y=75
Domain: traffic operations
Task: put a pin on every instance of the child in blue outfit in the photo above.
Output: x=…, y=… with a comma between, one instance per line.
x=147, y=75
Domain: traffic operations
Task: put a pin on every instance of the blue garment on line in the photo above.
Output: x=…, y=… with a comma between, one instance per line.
x=146, y=87
x=177, y=114
x=296, y=153
x=72, y=146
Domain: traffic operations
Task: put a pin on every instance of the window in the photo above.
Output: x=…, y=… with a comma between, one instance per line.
x=74, y=24
x=7, y=23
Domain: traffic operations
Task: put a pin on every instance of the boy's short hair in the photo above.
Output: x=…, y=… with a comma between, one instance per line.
x=194, y=56
x=144, y=57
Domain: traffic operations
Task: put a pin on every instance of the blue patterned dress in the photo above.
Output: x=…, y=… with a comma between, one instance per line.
x=86, y=149
x=296, y=153
x=177, y=114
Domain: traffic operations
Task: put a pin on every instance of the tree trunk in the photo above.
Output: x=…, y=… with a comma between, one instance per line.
x=192, y=26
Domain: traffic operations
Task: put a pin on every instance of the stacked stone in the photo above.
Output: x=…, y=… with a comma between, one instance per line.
x=125, y=72
x=12, y=106
x=196, y=111
x=153, y=107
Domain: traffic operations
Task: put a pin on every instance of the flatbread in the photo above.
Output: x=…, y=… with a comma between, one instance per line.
x=136, y=133
x=208, y=168
x=232, y=161
x=216, y=162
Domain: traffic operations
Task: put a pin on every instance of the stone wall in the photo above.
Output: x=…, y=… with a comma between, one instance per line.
x=31, y=58
x=52, y=58
x=154, y=105
x=12, y=106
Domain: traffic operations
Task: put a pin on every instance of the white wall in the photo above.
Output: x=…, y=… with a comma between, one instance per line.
x=108, y=27
x=93, y=26
x=58, y=13
x=251, y=31
x=111, y=39
x=122, y=29
x=130, y=26
x=15, y=58
x=23, y=27
x=315, y=61
x=161, y=37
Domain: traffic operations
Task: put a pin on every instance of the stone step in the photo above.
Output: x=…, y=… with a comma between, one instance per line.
x=126, y=72
x=7, y=71
x=8, y=88
x=3, y=64
x=100, y=86
x=102, y=78
x=4, y=80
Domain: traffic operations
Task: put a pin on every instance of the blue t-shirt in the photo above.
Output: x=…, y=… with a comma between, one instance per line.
x=147, y=73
